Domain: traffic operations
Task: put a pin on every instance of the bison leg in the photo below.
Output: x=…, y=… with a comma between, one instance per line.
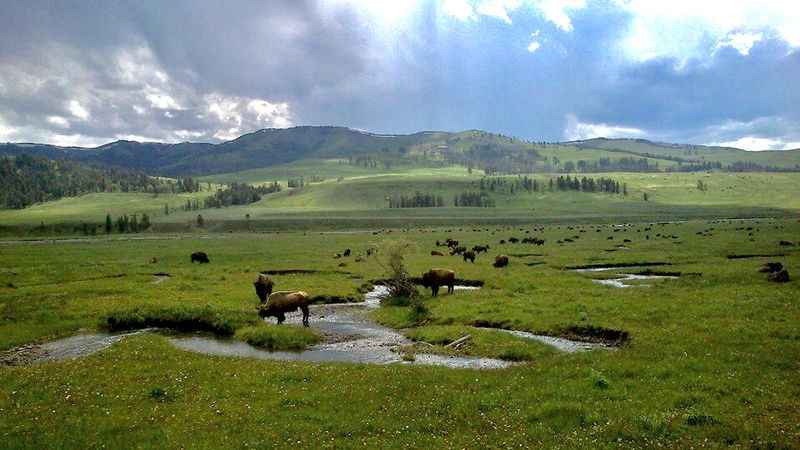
x=304, y=308
x=434, y=290
x=450, y=289
x=281, y=317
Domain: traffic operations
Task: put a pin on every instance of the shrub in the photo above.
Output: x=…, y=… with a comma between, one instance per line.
x=278, y=337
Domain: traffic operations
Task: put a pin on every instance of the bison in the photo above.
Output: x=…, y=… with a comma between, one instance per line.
x=199, y=257
x=771, y=267
x=435, y=278
x=500, y=261
x=457, y=250
x=779, y=277
x=480, y=248
x=469, y=255
x=277, y=304
x=346, y=252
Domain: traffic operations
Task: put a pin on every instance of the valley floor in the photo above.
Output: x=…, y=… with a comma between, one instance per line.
x=711, y=357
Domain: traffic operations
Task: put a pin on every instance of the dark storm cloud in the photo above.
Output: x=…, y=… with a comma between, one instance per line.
x=89, y=71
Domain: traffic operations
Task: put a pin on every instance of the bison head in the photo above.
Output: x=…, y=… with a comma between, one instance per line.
x=263, y=285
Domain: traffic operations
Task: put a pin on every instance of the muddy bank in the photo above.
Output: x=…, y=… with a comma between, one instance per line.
x=68, y=348
x=570, y=339
x=779, y=255
x=612, y=266
x=302, y=271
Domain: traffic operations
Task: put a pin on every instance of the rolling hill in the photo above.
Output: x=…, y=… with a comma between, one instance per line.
x=273, y=147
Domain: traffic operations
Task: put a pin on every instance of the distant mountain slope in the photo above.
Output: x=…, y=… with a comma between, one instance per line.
x=271, y=147
x=473, y=148
x=687, y=153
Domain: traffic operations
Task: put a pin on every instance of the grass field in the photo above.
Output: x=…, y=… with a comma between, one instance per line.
x=712, y=359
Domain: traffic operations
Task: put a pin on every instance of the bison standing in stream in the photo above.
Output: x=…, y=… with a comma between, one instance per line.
x=435, y=278
x=277, y=304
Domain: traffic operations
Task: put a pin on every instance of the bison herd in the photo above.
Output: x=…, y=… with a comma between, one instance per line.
x=470, y=255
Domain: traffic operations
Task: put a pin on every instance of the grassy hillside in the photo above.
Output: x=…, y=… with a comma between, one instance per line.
x=364, y=196
x=786, y=159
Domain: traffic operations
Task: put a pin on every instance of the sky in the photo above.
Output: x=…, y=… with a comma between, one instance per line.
x=88, y=72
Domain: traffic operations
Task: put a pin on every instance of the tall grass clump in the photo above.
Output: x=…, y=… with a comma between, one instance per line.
x=275, y=337
x=180, y=318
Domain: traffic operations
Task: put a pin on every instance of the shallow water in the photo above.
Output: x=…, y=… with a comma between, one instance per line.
x=349, y=336
x=563, y=344
x=624, y=279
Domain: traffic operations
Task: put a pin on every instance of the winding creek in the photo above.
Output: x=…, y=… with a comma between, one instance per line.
x=349, y=336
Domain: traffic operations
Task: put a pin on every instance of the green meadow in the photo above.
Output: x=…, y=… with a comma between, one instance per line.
x=712, y=358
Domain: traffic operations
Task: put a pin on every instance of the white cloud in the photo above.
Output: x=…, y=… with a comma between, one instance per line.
x=499, y=9
x=742, y=42
x=78, y=110
x=682, y=28
x=535, y=44
x=557, y=11
x=459, y=9
x=577, y=130
x=58, y=121
x=754, y=143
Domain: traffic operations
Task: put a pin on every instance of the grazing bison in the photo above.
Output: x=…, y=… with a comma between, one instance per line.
x=277, y=304
x=435, y=278
x=199, y=257
x=469, y=255
x=513, y=240
x=346, y=252
x=435, y=253
x=480, y=248
x=500, y=261
x=457, y=250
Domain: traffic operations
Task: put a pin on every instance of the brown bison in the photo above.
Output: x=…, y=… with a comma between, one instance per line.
x=480, y=248
x=779, y=277
x=199, y=257
x=500, y=261
x=435, y=253
x=277, y=304
x=469, y=255
x=435, y=278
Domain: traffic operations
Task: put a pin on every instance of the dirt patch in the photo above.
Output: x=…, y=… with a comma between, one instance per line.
x=302, y=271
x=617, y=265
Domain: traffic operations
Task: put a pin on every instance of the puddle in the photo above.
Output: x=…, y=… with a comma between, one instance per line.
x=627, y=280
x=614, y=266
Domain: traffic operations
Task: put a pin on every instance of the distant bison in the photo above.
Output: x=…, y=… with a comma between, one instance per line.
x=199, y=257
x=779, y=277
x=435, y=278
x=500, y=261
x=786, y=243
x=480, y=248
x=346, y=252
x=435, y=253
x=457, y=250
x=277, y=304
x=469, y=255
x=771, y=267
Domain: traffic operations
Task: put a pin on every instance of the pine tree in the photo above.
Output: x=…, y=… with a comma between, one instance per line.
x=109, y=225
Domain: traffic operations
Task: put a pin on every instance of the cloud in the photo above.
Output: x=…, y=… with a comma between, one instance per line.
x=459, y=9
x=576, y=130
x=742, y=41
x=557, y=11
x=689, y=28
x=499, y=9
x=78, y=110
x=754, y=143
